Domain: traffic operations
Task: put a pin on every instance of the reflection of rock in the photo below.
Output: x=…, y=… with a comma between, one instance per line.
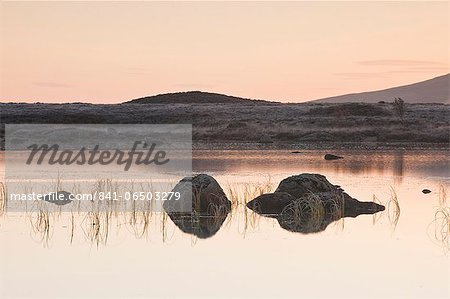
x=202, y=207
x=312, y=214
x=200, y=225
x=306, y=215
x=398, y=165
x=307, y=203
x=354, y=207
x=59, y=198
x=332, y=157
x=426, y=191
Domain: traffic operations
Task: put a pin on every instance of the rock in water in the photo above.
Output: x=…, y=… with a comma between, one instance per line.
x=332, y=157
x=202, y=207
x=199, y=194
x=59, y=198
x=426, y=191
x=302, y=184
x=307, y=203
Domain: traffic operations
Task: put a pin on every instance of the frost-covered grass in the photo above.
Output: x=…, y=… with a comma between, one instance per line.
x=247, y=122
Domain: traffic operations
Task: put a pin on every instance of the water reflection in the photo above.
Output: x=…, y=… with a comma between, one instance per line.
x=398, y=166
x=199, y=226
x=399, y=163
x=298, y=217
x=248, y=167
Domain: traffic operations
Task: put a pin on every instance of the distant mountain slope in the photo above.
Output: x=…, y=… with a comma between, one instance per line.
x=435, y=90
x=193, y=97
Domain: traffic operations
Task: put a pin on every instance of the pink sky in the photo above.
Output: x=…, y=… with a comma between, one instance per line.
x=109, y=52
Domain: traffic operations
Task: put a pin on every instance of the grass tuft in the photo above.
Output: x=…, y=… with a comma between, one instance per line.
x=393, y=208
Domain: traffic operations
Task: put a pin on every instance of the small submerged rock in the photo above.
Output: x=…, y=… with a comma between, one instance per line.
x=426, y=191
x=332, y=157
x=59, y=198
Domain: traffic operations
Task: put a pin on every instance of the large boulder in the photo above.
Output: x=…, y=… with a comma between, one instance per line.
x=200, y=194
x=305, y=183
x=202, y=207
x=307, y=203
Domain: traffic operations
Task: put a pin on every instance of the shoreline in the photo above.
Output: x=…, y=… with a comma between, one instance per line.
x=320, y=146
x=282, y=145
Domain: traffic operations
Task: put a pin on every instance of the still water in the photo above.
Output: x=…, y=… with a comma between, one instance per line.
x=398, y=253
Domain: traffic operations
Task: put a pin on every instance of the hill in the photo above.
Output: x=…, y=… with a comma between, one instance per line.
x=194, y=97
x=435, y=90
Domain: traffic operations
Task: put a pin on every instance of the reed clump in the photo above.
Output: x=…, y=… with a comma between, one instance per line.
x=41, y=226
x=96, y=227
x=239, y=195
x=442, y=220
x=393, y=208
x=376, y=216
x=442, y=227
x=311, y=213
x=242, y=193
x=442, y=195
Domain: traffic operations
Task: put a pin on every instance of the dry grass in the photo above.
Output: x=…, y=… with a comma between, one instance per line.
x=376, y=216
x=41, y=226
x=97, y=223
x=312, y=214
x=393, y=209
x=236, y=122
x=308, y=210
x=240, y=195
x=441, y=220
x=72, y=227
x=96, y=227
x=442, y=227
x=2, y=198
x=442, y=195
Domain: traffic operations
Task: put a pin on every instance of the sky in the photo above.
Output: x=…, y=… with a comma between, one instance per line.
x=110, y=52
